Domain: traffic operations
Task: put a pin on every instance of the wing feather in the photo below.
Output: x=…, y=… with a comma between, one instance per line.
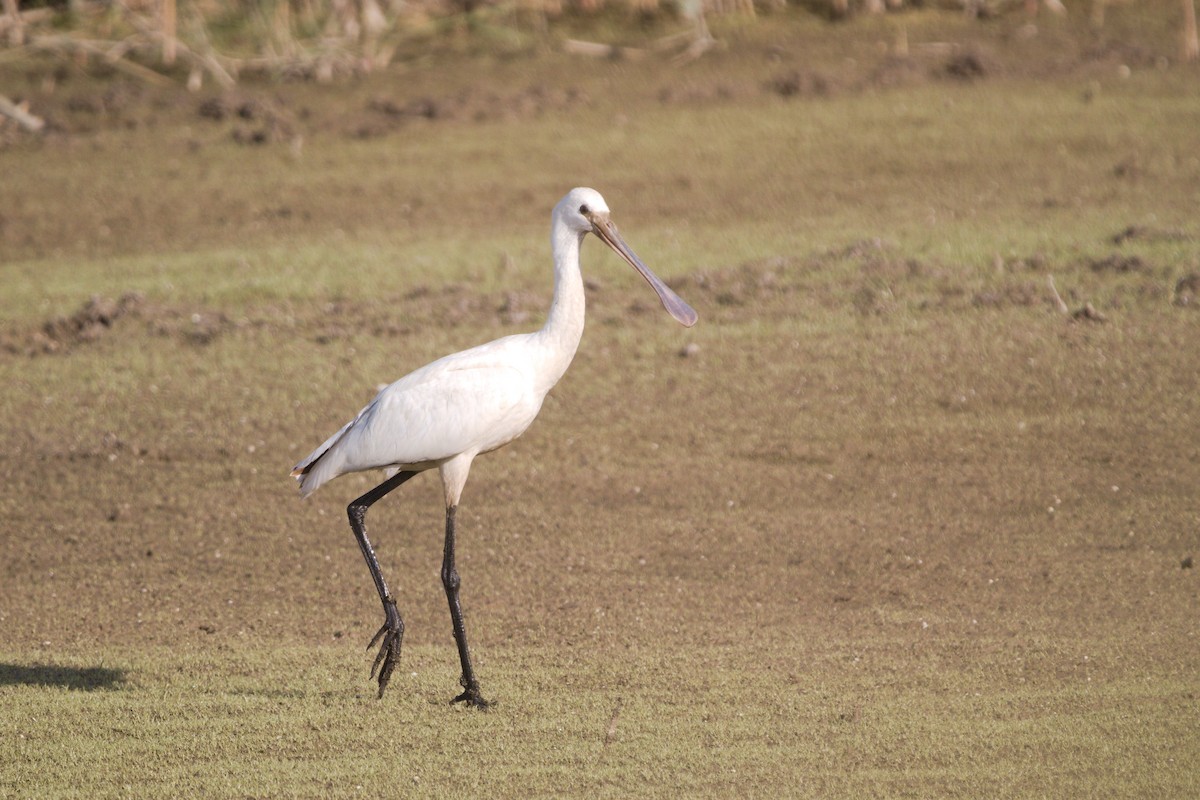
x=473, y=401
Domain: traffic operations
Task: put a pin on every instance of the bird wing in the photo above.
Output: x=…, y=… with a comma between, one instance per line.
x=473, y=401
x=463, y=408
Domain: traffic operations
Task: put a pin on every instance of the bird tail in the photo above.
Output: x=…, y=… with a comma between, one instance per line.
x=316, y=469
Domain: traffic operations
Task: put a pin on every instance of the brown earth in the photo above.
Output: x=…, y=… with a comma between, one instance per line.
x=786, y=492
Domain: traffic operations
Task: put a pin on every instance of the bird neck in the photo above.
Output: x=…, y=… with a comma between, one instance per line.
x=560, y=335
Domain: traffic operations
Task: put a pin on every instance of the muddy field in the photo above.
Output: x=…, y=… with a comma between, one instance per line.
x=912, y=511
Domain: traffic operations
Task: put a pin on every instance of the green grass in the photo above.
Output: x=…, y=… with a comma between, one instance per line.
x=949, y=174
x=283, y=722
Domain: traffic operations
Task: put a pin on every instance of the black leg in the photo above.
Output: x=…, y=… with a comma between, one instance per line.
x=451, y=581
x=392, y=632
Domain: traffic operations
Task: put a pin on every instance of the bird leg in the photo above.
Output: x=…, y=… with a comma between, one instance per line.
x=451, y=582
x=392, y=632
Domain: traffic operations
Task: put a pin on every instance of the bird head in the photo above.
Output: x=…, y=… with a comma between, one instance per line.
x=584, y=211
x=580, y=207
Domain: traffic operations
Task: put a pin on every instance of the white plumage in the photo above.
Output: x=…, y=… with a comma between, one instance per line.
x=468, y=402
x=447, y=412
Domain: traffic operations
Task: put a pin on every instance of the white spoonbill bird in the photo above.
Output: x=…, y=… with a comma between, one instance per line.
x=446, y=413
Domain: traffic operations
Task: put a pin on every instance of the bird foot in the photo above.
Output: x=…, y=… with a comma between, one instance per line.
x=390, y=637
x=472, y=697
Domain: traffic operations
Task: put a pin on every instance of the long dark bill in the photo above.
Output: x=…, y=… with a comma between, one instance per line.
x=607, y=232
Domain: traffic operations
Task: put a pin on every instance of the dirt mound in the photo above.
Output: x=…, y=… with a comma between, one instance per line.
x=964, y=67
x=1145, y=233
x=256, y=120
x=1187, y=291
x=1118, y=263
x=94, y=319
x=749, y=282
x=100, y=317
x=800, y=83
x=386, y=113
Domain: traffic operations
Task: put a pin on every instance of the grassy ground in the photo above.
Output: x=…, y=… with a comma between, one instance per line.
x=895, y=526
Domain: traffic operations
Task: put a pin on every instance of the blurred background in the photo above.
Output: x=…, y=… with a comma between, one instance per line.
x=209, y=40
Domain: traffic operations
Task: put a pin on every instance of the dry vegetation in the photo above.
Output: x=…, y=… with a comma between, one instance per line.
x=218, y=40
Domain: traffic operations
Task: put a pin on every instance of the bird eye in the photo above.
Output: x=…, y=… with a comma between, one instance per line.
x=583, y=209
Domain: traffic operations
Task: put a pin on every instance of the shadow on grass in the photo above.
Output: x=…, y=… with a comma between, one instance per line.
x=89, y=679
